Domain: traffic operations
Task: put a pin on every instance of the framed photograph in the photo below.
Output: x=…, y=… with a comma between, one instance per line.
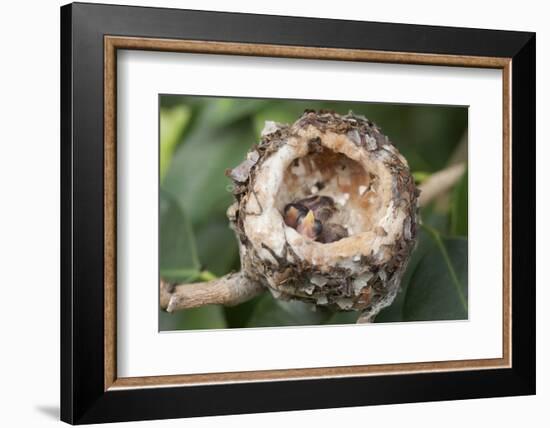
x=266, y=213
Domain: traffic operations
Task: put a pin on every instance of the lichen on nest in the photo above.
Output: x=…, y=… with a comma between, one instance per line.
x=366, y=198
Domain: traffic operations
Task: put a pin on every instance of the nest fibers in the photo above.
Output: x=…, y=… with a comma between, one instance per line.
x=347, y=161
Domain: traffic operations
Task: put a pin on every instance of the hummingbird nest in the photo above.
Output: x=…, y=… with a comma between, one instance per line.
x=325, y=212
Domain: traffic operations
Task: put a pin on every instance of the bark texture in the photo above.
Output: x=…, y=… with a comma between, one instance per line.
x=228, y=290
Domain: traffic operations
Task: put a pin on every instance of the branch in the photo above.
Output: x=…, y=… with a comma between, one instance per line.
x=229, y=290
x=365, y=318
x=439, y=183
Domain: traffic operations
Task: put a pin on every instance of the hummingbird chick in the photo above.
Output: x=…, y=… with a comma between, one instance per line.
x=309, y=216
x=309, y=226
x=322, y=206
x=332, y=232
x=293, y=213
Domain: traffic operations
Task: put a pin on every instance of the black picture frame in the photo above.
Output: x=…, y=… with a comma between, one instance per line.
x=83, y=396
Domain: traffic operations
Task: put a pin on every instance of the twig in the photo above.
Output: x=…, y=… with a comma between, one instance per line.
x=460, y=152
x=228, y=290
x=439, y=183
x=365, y=318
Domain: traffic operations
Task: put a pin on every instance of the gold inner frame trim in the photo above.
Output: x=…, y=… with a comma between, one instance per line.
x=113, y=43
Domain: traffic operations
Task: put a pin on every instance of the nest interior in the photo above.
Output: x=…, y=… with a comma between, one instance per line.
x=324, y=172
x=331, y=164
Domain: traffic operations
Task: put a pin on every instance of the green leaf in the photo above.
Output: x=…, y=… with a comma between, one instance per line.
x=187, y=275
x=420, y=176
x=217, y=247
x=348, y=317
x=436, y=217
x=207, y=317
x=172, y=124
x=221, y=112
x=438, y=288
x=433, y=133
x=459, y=207
x=196, y=178
x=270, y=312
x=394, y=312
x=238, y=316
x=180, y=275
x=177, y=241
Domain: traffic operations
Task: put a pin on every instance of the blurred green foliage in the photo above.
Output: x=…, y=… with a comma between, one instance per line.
x=200, y=137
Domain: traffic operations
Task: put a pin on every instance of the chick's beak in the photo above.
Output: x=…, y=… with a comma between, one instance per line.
x=322, y=206
x=309, y=226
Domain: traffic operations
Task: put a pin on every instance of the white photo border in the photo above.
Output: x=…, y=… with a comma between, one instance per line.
x=143, y=351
